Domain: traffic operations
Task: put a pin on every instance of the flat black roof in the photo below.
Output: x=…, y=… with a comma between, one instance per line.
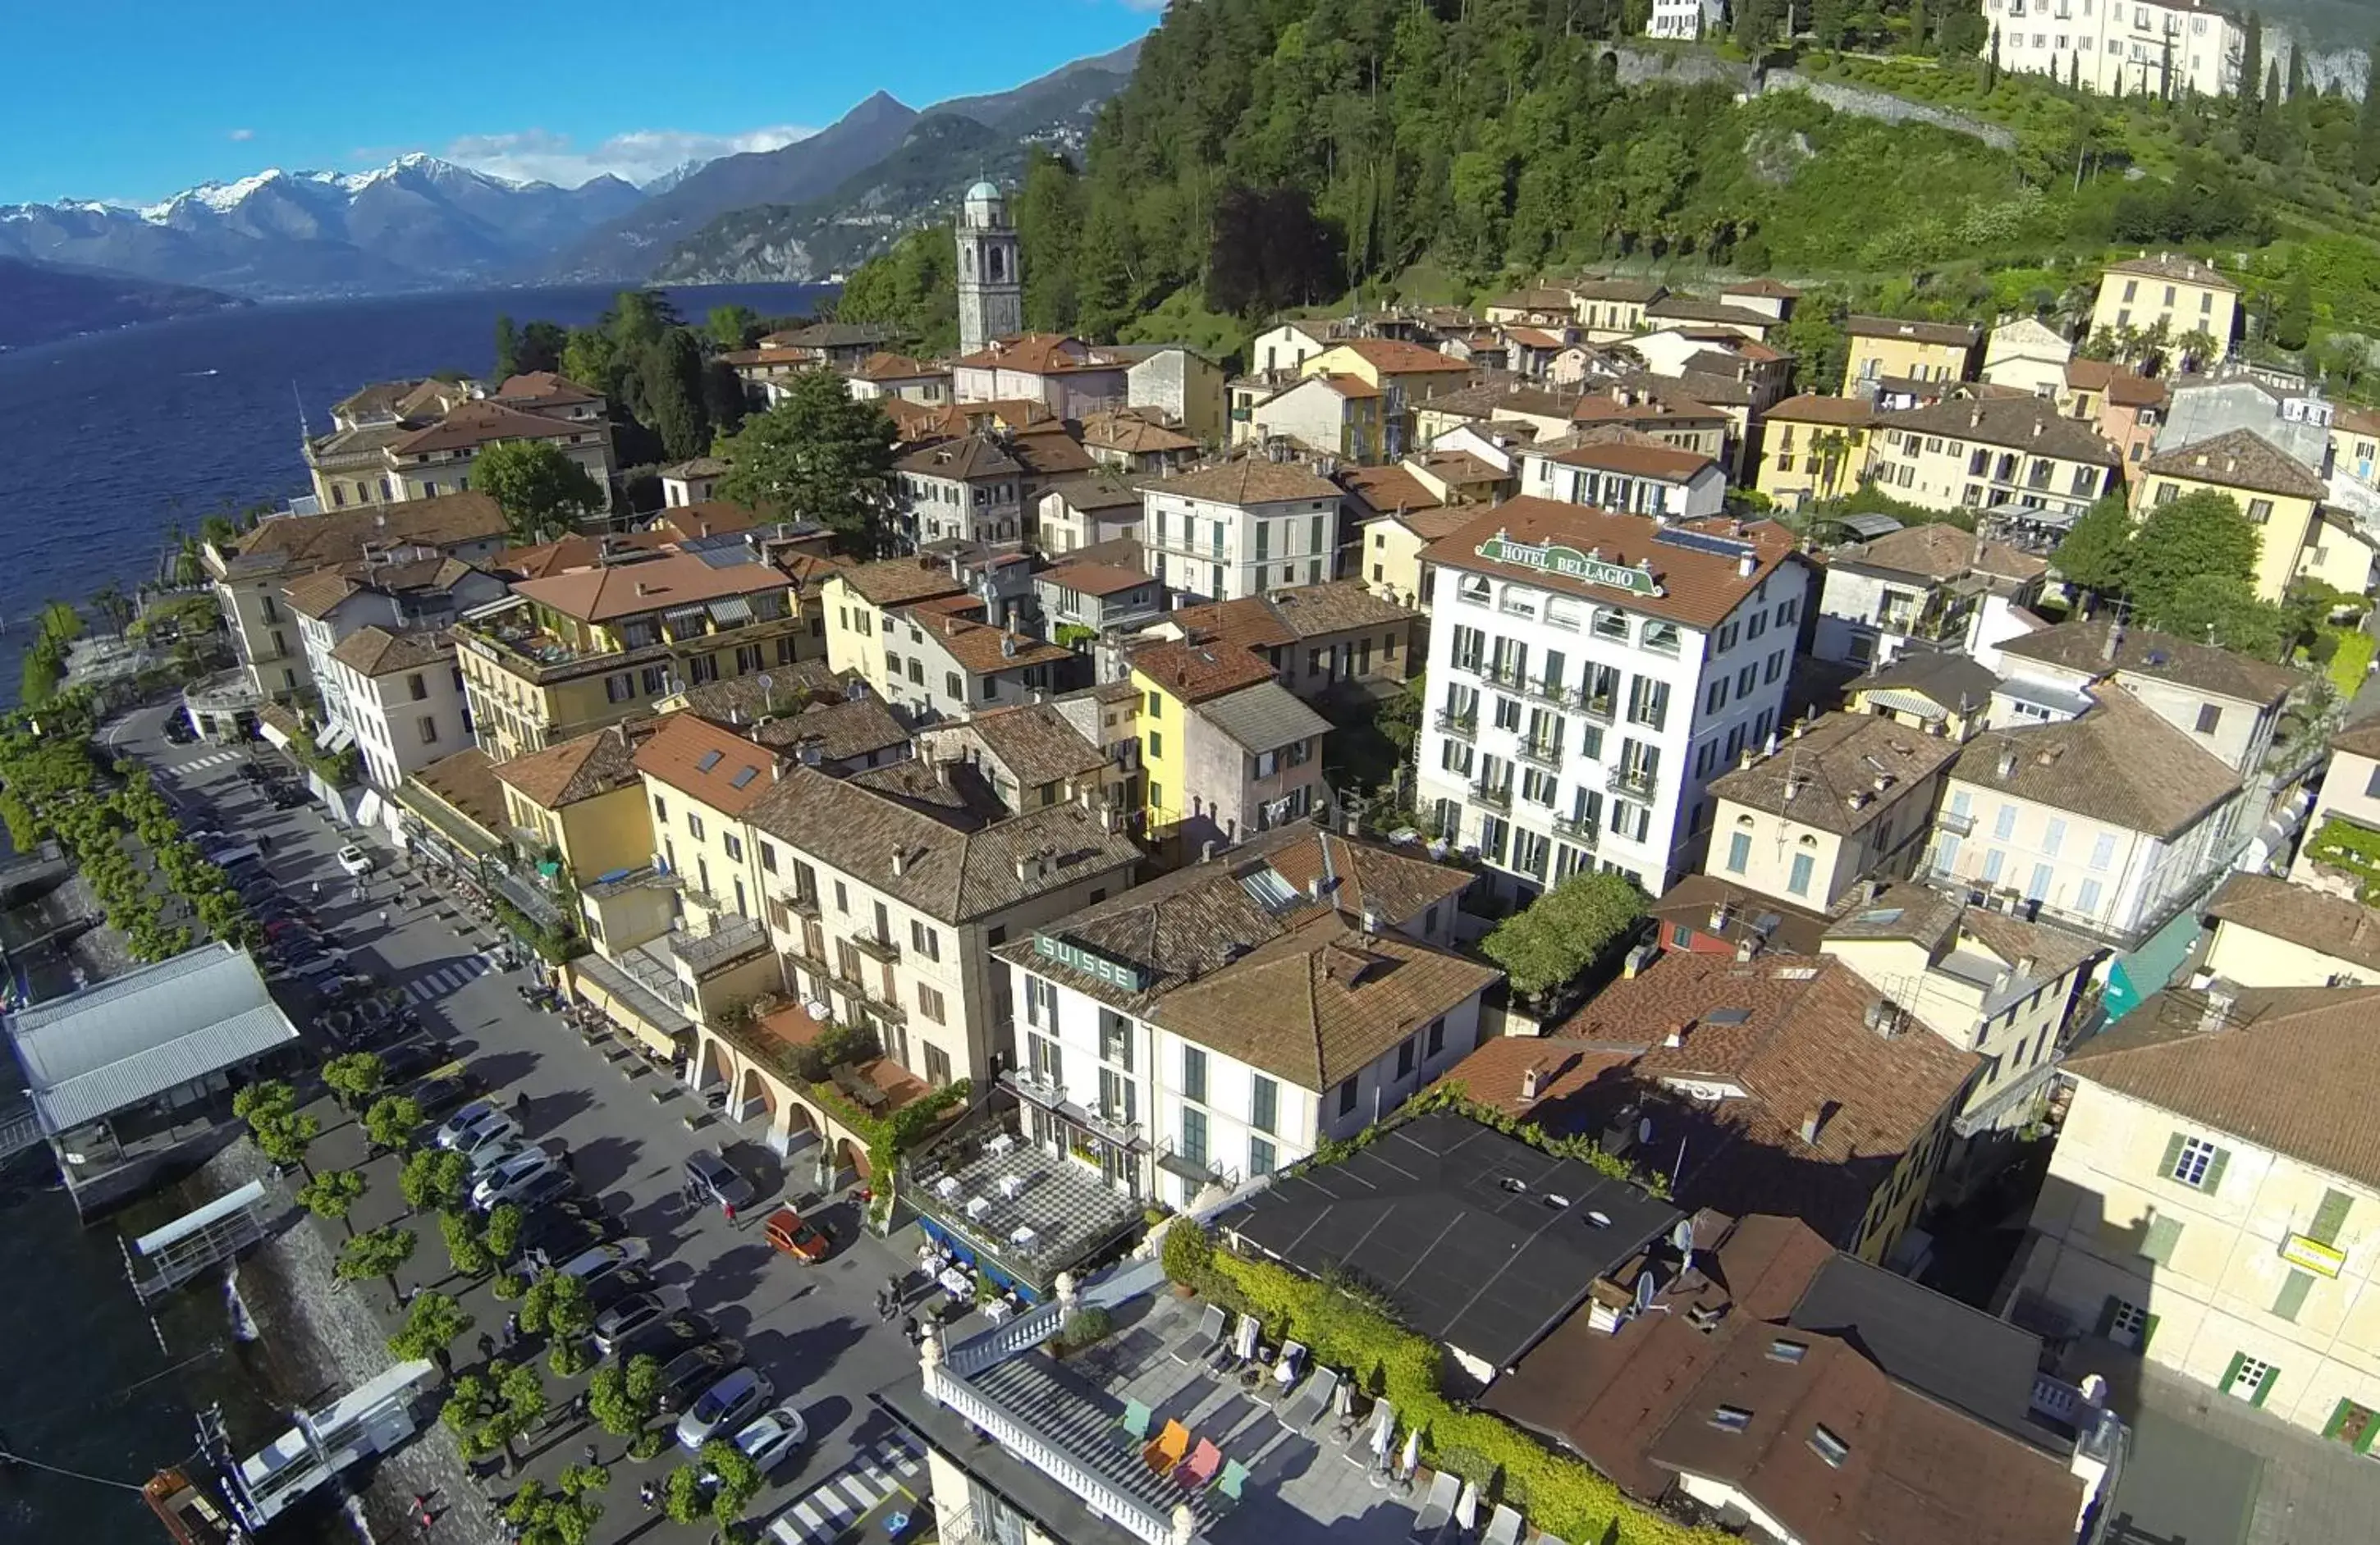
x=1934, y=1345
x=1476, y=1239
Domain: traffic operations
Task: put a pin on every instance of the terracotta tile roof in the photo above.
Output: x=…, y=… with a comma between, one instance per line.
x=2084, y=646
x=2288, y=1069
x=2177, y=268
x=1773, y=289
x=2118, y=763
x=985, y=649
x=1340, y=382
x=1942, y=923
x=708, y=762
x=708, y=517
x=1700, y=588
x=844, y=729
x=1133, y=434
x=1695, y=309
x=568, y=553
x=1321, y=1002
x=1100, y=490
x=578, y=769
x=2123, y=387
x=1250, y=622
x=466, y=780
x=1387, y=491
x=1035, y=742
x=2358, y=740
x=963, y=460
x=947, y=873
x=884, y=365
x=1537, y=337
x=1543, y=299
x=832, y=335
x=2023, y=423
x=767, y=355
x=1051, y=449
x=1339, y=605
x=314, y=594
x=1665, y=462
x=2239, y=459
x=1394, y=356
x=2336, y=926
x=1841, y=412
x=697, y=466
x=1038, y=354
x=1640, y=292
x=296, y=542
x=375, y=651
x=1249, y=479
x=609, y=592
x=1644, y=405
x=378, y=398
x=544, y=387
x=1944, y=552
x=1744, y=914
x=1093, y=579
x=1826, y=774
x=899, y=580
x=1961, y=335
x=483, y=423
x=1194, y=672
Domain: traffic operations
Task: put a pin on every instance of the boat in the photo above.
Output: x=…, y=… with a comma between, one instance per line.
x=188, y=1513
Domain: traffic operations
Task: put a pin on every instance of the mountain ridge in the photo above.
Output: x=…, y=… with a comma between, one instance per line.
x=40, y=303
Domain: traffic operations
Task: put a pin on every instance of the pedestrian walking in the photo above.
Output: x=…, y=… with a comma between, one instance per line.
x=520, y=1105
x=383, y=922
x=317, y=891
x=512, y=1330
x=593, y=1462
x=487, y=1348
x=728, y=1208
x=648, y=1494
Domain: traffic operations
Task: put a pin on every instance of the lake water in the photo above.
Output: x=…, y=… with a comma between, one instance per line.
x=108, y=442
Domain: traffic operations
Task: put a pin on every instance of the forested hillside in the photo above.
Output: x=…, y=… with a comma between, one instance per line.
x=1280, y=153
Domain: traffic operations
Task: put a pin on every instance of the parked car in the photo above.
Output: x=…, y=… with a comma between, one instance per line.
x=769, y=1439
x=503, y=1181
x=687, y=1375
x=632, y=1314
x=496, y=1148
x=725, y=1406
x=478, y=1117
x=287, y=796
x=443, y=1095
x=553, y=1186
x=550, y=1237
x=252, y=891
x=673, y=1334
x=714, y=1177
x=354, y=861
x=177, y=727
x=592, y=1267
x=788, y=1235
x=408, y=1060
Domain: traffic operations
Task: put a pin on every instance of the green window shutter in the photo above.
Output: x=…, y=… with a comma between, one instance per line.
x=2148, y=1332
x=2337, y=1418
x=2272, y=1376
x=2294, y=1289
x=2172, y=1155
x=2330, y=1217
x=2230, y=1372
x=2106, y=1317
x=2214, y=1181
x=2158, y=1243
x=2363, y=1439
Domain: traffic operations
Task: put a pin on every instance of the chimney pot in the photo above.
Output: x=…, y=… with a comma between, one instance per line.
x=1532, y=1081
x=900, y=860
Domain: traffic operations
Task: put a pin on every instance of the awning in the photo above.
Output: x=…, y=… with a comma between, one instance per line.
x=1868, y=528
x=1907, y=702
x=731, y=609
x=629, y=1005
x=335, y=740
x=368, y=812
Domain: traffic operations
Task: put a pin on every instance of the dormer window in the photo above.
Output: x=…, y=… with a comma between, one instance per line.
x=1731, y=1419
x=1828, y=1447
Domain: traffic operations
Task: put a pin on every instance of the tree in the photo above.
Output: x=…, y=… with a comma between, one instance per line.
x=431, y=1322
x=669, y=370
x=1399, y=718
x=392, y=1122
x=2199, y=534
x=622, y=1399
x=682, y=1495
x=354, y=1077
x=376, y=1252
x=469, y=1405
x=2097, y=550
x=566, y=1515
x=1270, y=249
x=331, y=1193
x=2367, y=131
x=503, y=1232
x=2252, y=67
x=539, y=347
x=464, y=1249
x=2223, y=609
x=557, y=1307
x=540, y=490
x=1048, y=224
x=2293, y=320
x=735, y=1480
x=282, y=1132
x=508, y=344
x=732, y=327
x=433, y=1178
x=520, y=1404
x=816, y=454
x=1560, y=934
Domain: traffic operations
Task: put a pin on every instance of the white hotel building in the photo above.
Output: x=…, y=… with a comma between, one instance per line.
x=1590, y=673
x=2118, y=47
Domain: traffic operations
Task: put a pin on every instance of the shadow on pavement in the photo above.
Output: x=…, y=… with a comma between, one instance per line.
x=603, y=1164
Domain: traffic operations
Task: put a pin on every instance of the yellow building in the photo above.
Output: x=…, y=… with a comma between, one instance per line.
x=1226, y=749
x=699, y=778
x=1405, y=375
x=858, y=604
x=2180, y=295
x=2272, y=933
x=2277, y=493
x=584, y=801
x=1845, y=798
x=2212, y=1200
x=1610, y=309
x=1975, y=452
x=1889, y=349
x=1811, y=447
x=577, y=651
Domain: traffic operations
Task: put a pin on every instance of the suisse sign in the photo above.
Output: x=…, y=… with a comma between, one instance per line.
x=1090, y=962
x=1589, y=568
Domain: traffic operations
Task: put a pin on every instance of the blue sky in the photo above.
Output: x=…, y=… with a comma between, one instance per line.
x=132, y=102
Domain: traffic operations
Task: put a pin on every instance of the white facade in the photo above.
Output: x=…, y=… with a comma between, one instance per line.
x=991, y=287
x=1684, y=19
x=1566, y=735
x=1286, y=348
x=1640, y=491
x=2118, y=47
x=1221, y=552
x=405, y=719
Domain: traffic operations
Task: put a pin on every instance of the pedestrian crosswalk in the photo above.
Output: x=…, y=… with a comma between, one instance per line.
x=446, y=978
x=846, y=1496
x=200, y=764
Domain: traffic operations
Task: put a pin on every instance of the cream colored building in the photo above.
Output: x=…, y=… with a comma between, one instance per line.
x=1609, y=309
x=1841, y=798
x=2027, y=356
x=2277, y=493
x=2272, y=933
x=1975, y=452
x=2241, y=1261
x=1894, y=349
x=2180, y=295
x=2345, y=814
x=2130, y=48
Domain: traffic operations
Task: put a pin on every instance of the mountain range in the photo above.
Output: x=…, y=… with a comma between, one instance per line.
x=802, y=230
x=42, y=302
x=418, y=222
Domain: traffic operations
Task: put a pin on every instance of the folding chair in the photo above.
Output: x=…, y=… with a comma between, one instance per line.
x=1167, y=1448
x=1201, y=1467
x=1132, y=1428
x=1503, y=1527
x=1437, y=1507
x=1199, y=1343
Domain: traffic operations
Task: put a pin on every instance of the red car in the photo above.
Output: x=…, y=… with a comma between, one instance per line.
x=788, y=1232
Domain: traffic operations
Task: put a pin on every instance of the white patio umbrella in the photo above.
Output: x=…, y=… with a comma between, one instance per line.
x=1384, y=1431
x=1410, y=1460
x=1466, y=1508
x=1243, y=1341
x=1343, y=1402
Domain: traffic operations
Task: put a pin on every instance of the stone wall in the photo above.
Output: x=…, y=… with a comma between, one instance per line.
x=1637, y=66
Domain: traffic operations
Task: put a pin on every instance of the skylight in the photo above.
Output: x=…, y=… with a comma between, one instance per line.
x=1731, y=1419
x=743, y=776
x=1881, y=916
x=1727, y=1016
x=1786, y=1351
x=709, y=760
x=1828, y=1447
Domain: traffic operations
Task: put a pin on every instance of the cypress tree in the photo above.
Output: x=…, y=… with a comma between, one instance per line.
x=2252, y=65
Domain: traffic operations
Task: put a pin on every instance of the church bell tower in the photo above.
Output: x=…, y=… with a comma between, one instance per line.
x=991, y=287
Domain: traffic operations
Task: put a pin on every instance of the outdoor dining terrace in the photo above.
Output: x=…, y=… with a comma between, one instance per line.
x=1020, y=1211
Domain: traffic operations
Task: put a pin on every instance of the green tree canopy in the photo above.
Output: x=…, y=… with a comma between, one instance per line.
x=375, y=1253
x=432, y=1178
x=354, y=1077
x=466, y=1251
x=732, y=327
x=331, y=1193
x=2198, y=535
x=819, y=455
x=2097, y=552
x=393, y=1122
x=1550, y=941
x=542, y=493
x=433, y=1321
x=622, y=1399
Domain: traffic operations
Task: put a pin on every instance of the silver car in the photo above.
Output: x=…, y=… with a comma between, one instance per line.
x=725, y=1406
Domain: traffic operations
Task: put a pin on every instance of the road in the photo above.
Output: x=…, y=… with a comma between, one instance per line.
x=814, y=1330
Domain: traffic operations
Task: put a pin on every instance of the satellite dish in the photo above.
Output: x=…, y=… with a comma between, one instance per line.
x=1644, y=1129
x=1645, y=1288
x=1683, y=1236
x=768, y=686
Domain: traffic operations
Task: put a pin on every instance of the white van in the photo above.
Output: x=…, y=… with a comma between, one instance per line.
x=227, y=858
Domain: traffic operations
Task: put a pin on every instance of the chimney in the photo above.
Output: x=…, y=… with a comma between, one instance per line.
x=2025, y=965
x=900, y=860
x=1008, y=646
x=1746, y=947
x=643, y=589
x=941, y=772
x=1676, y=1038
x=1637, y=960
x=1883, y=1017
x=2008, y=763
x=1719, y=913
x=1207, y=851
x=1314, y=888
x=1744, y=565
x=1533, y=1082
x=2216, y=1013
x=1371, y=922
x=1023, y=866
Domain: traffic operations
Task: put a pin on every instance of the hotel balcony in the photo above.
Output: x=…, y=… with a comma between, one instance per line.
x=1578, y=828
x=882, y=950
x=1636, y=783
x=735, y=940
x=1956, y=824
x=1495, y=797
x=1538, y=755
x=1453, y=723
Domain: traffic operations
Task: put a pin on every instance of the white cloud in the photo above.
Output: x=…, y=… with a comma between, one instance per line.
x=638, y=156
x=241, y=135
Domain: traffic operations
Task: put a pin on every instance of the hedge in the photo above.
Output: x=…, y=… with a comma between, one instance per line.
x=1563, y=1495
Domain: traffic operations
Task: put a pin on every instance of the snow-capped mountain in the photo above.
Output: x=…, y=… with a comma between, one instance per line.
x=418, y=222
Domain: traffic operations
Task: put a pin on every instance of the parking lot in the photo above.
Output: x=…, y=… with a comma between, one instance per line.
x=812, y=1330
